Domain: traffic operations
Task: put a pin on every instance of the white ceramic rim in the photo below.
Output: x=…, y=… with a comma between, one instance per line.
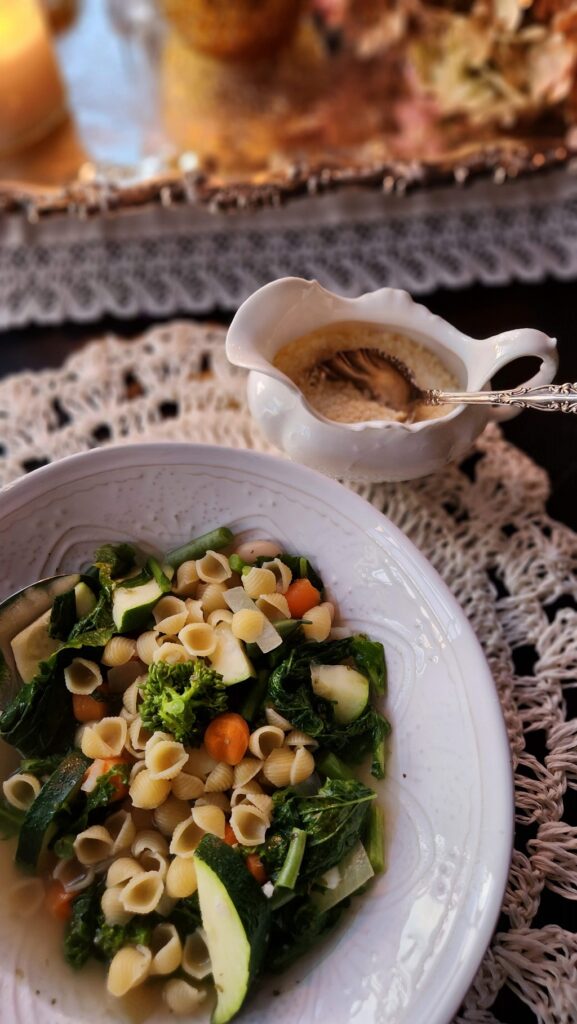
x=496, y=764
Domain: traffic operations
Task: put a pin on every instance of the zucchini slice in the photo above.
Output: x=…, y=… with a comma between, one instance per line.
x=236, y=919
x=39, y=825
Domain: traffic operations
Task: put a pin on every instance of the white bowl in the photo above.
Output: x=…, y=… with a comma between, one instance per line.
x=407, y=950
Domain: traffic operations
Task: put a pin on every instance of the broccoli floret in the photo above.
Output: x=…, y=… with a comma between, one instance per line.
x=182, y=699
x=109, y=938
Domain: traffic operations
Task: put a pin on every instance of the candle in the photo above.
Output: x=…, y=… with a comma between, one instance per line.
x=32, y=98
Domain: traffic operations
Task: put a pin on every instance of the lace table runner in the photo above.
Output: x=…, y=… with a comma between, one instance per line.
x=162, y=262
x=482, y=524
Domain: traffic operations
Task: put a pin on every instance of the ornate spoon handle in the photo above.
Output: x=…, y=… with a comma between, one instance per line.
x=547, y=398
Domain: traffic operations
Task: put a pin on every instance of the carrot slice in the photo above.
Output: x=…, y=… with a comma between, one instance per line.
x=226, y=738
x=86, y=709
x=101, y=766
x=301, y=597
x=256, y=868
x=58, y=901
x=229, y=836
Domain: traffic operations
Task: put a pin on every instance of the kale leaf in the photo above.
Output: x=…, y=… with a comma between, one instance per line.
x=182, y=699
x=82, y=927
x=118, y=559
x=296, y=927
x=334, y=820
x=186, y=916
x=290, y=692
x=41, y=767
x=63, y=615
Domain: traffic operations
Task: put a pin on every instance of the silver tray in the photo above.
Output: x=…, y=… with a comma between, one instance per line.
x=153, y=121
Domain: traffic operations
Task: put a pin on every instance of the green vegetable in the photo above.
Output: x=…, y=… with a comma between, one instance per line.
x=236, y=919
x=344, y=687
x=40, y=766
x=288, y=874
x=355, y=870
x=182, y=699
x=375, y=838
x=332, y=766
x=185, y=916
x=134, y=599
x=197, y=548
x=291, y=694
x=237, y=563
x=296, y=927
x=118, y=559
x=109, y=938
x=32, y=645
x=11, y=819
x=230, y=659
x=102, y=795
x=334, y=820
x=63, y=615
x=42, y=818
x=255, y=697
x=81, y=929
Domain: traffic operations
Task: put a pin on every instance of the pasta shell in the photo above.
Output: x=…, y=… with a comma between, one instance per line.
x=147, y=792
x=149, y=840
x=181, y=878
x=319, y=622
x=146, y=646
x=72, y=875
x=181, y=998
x=283, y=574
x=187, y=787
x=257, y=582
x=166, y=949
x=273, y=718
x=105, y=738
x=194, y=610
x=170, y=614
x=142, y=893
x=221, y=800
x=261, y=800
x=171, y=813
x=199, y=763
x=142, y=819
x=122, y=870
x=195, y=958
x=112, y=908
x=166, y=905
x=296, y=738
x=128, y=969
x=21, y=790
x=82, y=676
x=185, y=838
x=138, y=766
x=211, y=596
x=250, y=550
x=138, y=736
x=118, y=651
x=132, y=696
x=274, y=606
x=278, y=766
x=152, y=860
x=198, y=639
x=122, y=831
x=265, y=739
x=186, y=579
x=93, y=845
x=210, y=819
x=122, y=676
x=302, y=767
x=213, y=568
x=219, y=615
x=247, y=624
x=249, y=824
x=247, y=791
x=219, y=779
x=171, y=653
x=165, y=760
x=246, y=770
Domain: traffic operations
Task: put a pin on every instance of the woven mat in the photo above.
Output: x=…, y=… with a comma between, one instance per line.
x=483, y=526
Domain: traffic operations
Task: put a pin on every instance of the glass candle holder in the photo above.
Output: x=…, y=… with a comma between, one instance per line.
x=32, y=95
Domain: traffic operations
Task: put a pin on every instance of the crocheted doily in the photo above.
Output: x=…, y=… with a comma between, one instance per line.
x=482, y=525
x=163, y=262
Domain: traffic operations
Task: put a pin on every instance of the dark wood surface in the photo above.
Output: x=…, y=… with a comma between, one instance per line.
x=550, y=439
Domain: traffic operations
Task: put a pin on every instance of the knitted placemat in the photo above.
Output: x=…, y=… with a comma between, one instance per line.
x=483, y=526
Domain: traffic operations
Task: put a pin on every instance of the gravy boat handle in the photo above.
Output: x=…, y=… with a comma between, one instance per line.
x=505, y=348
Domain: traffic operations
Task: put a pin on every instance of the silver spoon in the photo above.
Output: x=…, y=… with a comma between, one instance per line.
x=386, y=379
x=19, y=611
